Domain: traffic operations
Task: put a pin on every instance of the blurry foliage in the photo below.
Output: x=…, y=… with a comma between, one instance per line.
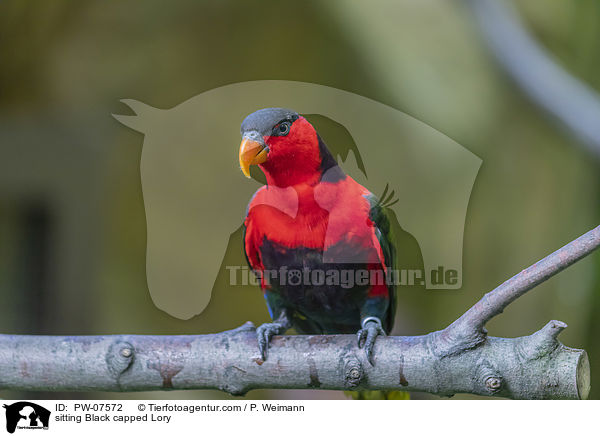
x=66, y=65
x=378, y=395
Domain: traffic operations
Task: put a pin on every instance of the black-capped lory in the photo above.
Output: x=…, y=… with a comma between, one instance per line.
x=319, y=241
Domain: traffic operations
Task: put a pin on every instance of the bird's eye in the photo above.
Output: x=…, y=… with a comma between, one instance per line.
x=283, y=128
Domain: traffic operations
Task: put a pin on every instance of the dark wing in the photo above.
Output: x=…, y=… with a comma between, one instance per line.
x=381, y=217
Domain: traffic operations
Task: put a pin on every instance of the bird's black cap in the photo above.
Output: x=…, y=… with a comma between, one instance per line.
x=264, y=120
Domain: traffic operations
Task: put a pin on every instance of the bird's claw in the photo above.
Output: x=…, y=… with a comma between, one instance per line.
x=264, y=333
x=367, y=335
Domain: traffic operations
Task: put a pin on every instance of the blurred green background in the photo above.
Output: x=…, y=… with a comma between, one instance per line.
x=72, y=224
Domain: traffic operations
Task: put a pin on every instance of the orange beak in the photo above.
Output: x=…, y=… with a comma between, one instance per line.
x=251, y=153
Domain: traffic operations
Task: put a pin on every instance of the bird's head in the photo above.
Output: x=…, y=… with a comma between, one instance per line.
x=285, y=146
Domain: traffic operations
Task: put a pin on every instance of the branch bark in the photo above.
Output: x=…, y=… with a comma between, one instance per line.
x=460, y=358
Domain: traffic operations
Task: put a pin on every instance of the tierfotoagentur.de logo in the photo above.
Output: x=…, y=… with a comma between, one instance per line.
x=26, y=416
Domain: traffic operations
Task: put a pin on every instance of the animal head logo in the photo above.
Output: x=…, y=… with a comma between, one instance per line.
x=195, y=195
x=26, y=415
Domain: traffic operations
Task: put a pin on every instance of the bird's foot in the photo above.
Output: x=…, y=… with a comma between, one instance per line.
x=264, y=333
x=371, y=328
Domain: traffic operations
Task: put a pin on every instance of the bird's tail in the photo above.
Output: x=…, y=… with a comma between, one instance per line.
x=377, y=395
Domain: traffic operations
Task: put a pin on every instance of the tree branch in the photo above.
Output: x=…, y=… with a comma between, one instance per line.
x=460, y=358
x=573, y=103
x=470, y=326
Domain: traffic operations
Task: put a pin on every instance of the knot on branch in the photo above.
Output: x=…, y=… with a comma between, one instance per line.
x=232, y=382
x=489, y=377
x=119, y=357
x=353, y=372
x=493, y=384
x=542, y=342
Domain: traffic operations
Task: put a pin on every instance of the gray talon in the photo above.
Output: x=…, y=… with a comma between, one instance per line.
x=264, y=334
x=362, y=335
x=368, y=334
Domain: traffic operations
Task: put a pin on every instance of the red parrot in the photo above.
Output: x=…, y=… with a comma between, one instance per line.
x=311, y=228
